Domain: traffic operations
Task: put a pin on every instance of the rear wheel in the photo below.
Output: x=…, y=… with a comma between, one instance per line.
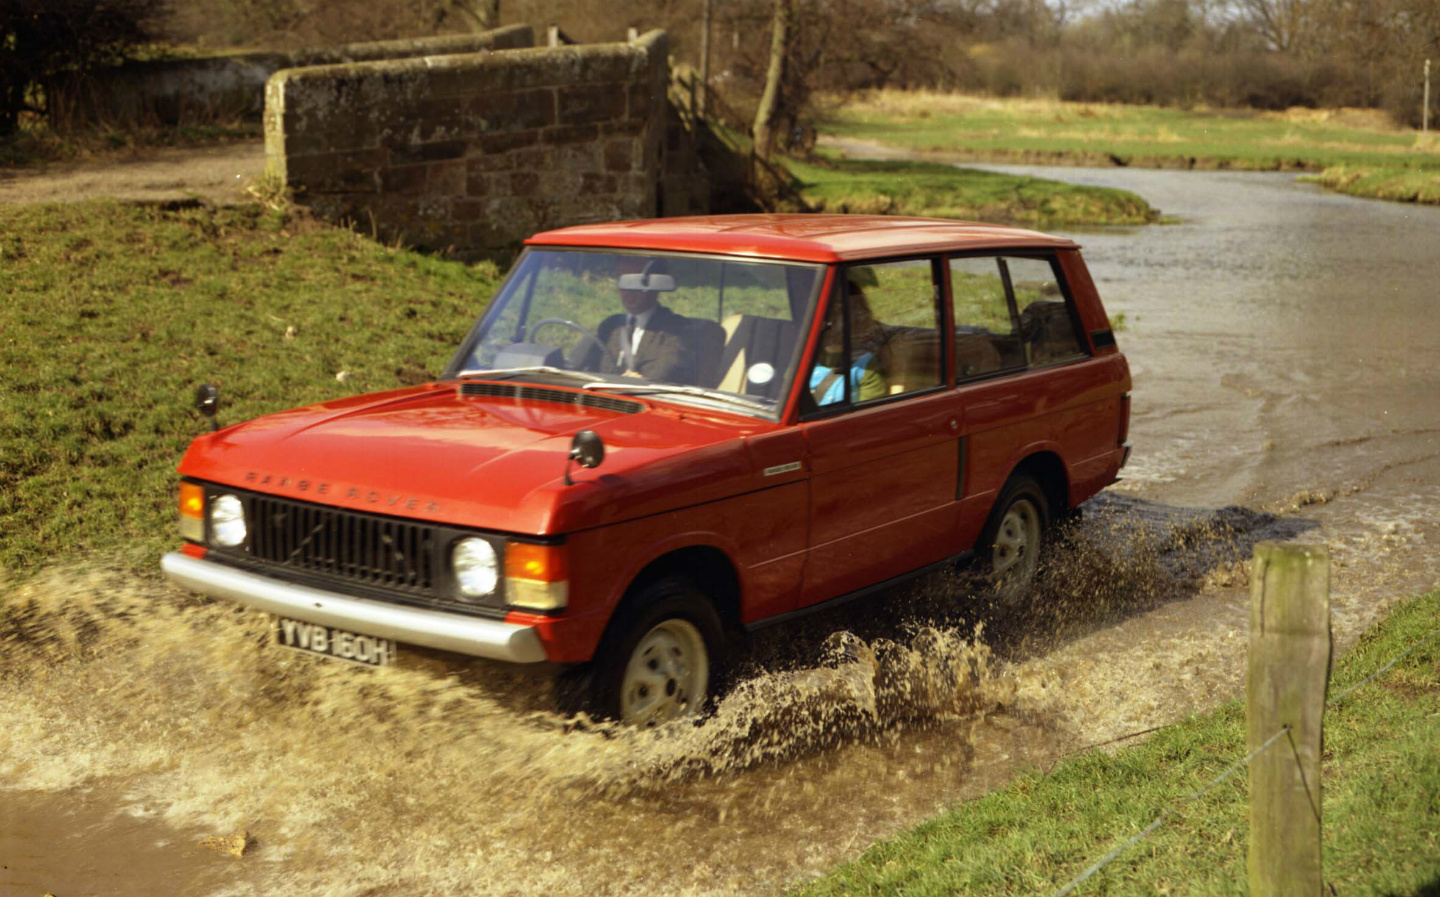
x=658, y=661
x=1013, y=538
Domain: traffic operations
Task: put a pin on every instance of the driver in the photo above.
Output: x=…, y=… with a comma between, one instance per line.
x=648, y=340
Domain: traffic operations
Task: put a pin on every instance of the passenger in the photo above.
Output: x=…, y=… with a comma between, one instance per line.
x=867, y=338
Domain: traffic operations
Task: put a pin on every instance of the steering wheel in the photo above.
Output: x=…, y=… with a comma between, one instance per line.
x=585, y=332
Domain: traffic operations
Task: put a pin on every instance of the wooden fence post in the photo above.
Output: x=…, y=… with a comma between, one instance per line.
x=1289, y=670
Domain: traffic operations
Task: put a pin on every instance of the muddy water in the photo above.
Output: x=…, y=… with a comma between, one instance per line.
x=1286, y=387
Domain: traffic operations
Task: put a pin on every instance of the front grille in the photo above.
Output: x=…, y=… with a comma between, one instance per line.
x=384, y=553
x=544, y=394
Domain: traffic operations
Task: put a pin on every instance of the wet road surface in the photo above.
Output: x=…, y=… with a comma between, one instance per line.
x=1287, y=385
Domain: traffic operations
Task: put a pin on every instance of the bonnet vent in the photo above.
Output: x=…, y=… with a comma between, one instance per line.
x=542, y=394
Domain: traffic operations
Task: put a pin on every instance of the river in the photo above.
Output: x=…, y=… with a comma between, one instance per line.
x=1286, y=351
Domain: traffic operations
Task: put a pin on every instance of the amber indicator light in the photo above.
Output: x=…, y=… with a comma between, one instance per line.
x=192, y=500
x=540, y=563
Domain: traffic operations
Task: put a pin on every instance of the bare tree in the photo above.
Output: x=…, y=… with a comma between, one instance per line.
x=480, y=15
x=765, y=115
x=1284, y=24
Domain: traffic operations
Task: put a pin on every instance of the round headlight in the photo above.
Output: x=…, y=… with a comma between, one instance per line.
x=227, y=521
x=476, y=566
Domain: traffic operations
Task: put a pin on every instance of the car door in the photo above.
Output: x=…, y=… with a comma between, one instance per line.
x=881, y=428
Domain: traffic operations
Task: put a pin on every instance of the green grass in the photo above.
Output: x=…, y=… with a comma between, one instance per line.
x=830, y=182
x=111, y=314
x=1049, y=131
x=1382, y=182
x=945, y=191
x=1381, y=802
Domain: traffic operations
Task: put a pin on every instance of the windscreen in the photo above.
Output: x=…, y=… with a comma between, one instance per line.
x=690, y=329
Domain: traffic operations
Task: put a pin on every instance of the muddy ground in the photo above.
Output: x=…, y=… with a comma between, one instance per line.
x=1286, y=386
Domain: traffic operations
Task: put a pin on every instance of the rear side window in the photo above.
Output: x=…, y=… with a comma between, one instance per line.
x=1046, y=325
x=1010, y=314
x=883, y=328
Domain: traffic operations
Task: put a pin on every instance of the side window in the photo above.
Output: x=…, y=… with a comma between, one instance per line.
x=1046, y=325
x=987, y=327
x=1010, y=313
x=881, y=335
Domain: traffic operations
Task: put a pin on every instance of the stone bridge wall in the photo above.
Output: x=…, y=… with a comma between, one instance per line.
x=475, y=152
x=223, y=88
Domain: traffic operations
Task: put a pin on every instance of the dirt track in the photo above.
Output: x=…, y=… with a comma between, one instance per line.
x=214, y=174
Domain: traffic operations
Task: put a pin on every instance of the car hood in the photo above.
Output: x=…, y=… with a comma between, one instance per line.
x=493, y=462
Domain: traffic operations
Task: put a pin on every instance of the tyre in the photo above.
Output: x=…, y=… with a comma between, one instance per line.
x=660, y=656
x=1011, y=542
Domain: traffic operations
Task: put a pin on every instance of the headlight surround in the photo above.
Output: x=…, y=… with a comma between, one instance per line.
x=476, y=567
x=227, y=521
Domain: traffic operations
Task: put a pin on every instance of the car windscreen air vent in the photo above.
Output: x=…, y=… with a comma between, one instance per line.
x=543, y=394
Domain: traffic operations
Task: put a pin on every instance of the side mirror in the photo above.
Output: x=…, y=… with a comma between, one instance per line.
x=587, y=449
x=207, y=400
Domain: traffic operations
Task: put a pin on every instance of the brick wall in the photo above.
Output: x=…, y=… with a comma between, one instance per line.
x=475, y=152
x=222, y=88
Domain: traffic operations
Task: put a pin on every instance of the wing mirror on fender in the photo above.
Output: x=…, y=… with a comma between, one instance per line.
x=588, y=449
x=207, y=400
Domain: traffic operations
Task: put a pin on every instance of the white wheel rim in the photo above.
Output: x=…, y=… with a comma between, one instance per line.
x=666, y=676
x=1015, y=553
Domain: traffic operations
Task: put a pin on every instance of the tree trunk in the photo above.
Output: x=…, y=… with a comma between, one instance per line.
x=770, y=99
x=480, y=15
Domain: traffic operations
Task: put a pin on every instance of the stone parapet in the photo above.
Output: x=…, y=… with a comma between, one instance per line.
x=474, y=152
x=232, y=87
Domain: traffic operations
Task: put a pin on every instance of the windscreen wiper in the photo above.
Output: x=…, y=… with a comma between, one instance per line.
x=669, y=389
x=533, y=369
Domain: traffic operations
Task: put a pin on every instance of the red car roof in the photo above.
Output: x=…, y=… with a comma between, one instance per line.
x=804, y=238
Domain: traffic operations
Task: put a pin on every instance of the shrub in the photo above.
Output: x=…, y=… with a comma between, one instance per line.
x=41, y=40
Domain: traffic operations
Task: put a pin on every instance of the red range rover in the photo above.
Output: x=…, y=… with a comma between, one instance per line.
x=664, y=433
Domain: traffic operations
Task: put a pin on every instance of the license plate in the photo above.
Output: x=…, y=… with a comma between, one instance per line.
x=340, y=644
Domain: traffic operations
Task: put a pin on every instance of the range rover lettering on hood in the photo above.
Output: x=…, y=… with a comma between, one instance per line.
x=354, y=493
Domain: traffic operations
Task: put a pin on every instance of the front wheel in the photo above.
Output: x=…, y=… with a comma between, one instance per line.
x=1011, y=543
x=657, y=664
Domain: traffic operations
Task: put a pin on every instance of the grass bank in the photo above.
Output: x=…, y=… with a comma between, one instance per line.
x=111, y=314
x=945, y=191
x=1381, y=801
x=959, y=127
x=830, y=182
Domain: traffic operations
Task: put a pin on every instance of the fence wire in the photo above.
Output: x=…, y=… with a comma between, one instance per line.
x=1385, y=669
x=1224, y=776
x=1170, y=811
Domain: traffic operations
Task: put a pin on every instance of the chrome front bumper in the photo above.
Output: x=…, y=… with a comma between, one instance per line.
x=409, y=625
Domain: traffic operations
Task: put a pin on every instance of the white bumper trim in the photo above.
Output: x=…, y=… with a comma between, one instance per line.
x=475, y=636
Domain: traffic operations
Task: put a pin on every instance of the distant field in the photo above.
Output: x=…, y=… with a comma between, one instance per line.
x=1371, y=151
